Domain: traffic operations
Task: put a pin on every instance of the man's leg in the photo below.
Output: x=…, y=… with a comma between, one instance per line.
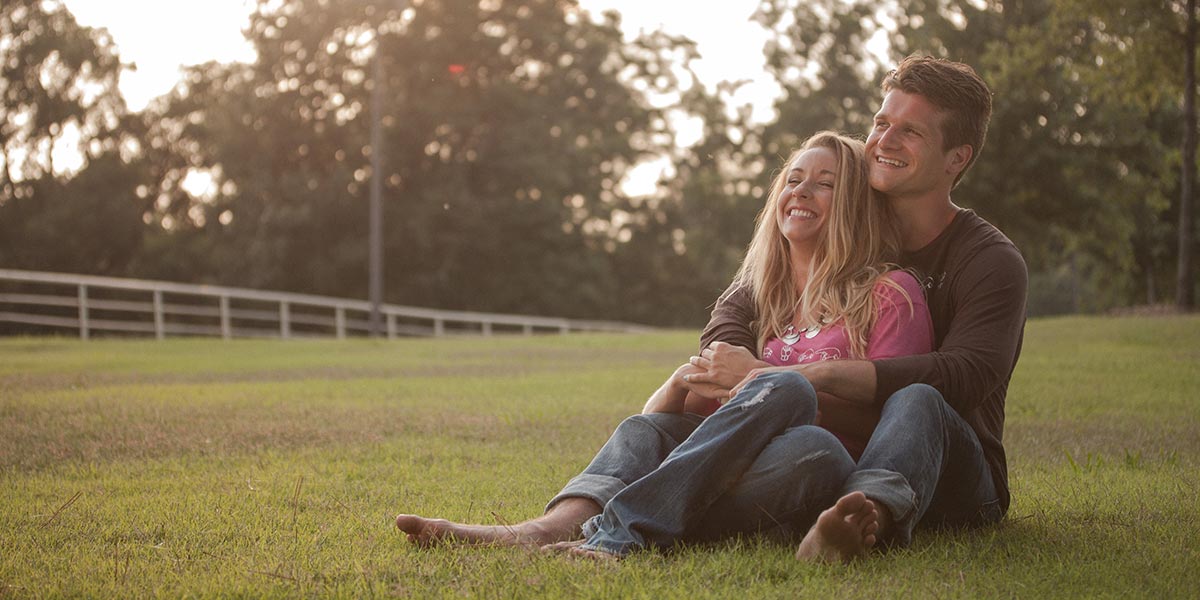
x=658, y=509
x=637, y=446
x=923, y=457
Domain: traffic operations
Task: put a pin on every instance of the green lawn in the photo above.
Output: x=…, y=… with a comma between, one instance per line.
x=209, y=468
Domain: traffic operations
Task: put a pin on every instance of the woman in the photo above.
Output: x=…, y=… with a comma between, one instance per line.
x=819, y=280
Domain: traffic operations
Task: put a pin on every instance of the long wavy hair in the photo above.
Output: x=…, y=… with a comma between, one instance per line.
x=859, y=238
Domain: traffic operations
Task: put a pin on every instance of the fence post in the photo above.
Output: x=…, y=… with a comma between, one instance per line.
x=285, y=325
x=391, y=326
x=487, y=328
x=159, y=327
x=226, y=322
x=439, y=328
x=339, y=317
x=527, y=329
x=83, y=312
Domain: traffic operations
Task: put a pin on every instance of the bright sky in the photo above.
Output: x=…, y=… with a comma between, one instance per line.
x=161, y=35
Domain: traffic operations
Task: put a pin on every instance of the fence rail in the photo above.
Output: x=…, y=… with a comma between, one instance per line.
x=90, y=303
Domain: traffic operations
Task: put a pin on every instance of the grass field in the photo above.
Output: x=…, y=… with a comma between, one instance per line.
x=208, y=468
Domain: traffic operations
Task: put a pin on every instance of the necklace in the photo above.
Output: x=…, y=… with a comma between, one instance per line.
x=791, y=335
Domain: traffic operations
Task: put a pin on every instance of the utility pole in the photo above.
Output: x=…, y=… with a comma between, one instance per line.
x=1185, y=279
x=375, y=236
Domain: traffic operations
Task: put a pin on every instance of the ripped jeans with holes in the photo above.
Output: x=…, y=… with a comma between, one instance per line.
x=757, y=464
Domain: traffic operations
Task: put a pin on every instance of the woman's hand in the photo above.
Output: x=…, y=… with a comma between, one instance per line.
x=671, y=396
x=721, y=366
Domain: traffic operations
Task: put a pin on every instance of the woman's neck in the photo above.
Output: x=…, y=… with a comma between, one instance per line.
x=801, y=261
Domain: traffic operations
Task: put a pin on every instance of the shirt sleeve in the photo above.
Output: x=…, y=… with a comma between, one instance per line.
x=903, y=326
x=732, y=319
x=979, y=350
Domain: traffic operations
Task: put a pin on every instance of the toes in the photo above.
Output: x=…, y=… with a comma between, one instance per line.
x=851, y=503
x=409, y=523
x=871, y=528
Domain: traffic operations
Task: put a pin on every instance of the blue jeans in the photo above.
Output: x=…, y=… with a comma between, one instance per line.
x=756, y=464
x=924, y=463
x=759, y=464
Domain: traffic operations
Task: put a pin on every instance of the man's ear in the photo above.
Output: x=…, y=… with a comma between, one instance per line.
x=958, y=158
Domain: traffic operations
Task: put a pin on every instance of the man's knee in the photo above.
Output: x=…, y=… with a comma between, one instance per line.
x=917, y=397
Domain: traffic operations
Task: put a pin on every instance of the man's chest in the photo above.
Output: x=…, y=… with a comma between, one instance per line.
x=937, y=279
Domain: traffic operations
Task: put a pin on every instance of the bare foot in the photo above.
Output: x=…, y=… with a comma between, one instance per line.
x=429, y=532
x=844, y=532
x=575, y=549
x=560, y=524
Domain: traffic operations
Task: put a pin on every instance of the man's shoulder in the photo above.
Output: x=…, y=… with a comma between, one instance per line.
x=969, y=249
x=972, y=238
x=969, y=228
x=984, y=256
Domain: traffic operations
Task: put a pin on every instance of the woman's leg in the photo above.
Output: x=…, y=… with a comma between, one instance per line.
x=637, y=446
x=658, y=509
x=798, y=475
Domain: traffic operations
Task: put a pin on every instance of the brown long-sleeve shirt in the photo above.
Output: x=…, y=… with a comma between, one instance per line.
x=975, y=282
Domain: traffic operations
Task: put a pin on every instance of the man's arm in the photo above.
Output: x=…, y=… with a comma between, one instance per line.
x=731, y=320
x=903, y=327
x=979, y=350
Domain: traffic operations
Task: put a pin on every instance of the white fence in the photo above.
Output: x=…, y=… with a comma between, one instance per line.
x=107, y=304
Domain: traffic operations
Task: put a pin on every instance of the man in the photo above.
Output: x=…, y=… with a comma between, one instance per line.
x=936, y=456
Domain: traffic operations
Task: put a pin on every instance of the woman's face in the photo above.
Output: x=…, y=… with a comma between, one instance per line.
x=807, y=197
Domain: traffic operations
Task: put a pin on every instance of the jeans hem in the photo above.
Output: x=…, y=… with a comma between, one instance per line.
x=894, y=492
x=597, y=488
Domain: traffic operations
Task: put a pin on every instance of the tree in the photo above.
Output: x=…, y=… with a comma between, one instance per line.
x=1074, y=166
x=508, y=128
x=68, y=198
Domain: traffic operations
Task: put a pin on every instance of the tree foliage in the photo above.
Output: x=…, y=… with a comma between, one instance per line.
x=68, y=196
x=508, y=128
x=1078, y=164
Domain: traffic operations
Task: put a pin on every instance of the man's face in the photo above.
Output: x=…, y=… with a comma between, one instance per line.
x=904, y=149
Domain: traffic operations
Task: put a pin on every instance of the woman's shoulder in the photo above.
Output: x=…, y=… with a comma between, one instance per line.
x=891, y=283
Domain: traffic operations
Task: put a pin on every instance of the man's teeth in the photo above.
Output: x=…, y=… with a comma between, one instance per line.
x=890, y=162
x=804, y=214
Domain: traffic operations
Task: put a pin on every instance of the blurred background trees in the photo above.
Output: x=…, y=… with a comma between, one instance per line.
x=510, y=127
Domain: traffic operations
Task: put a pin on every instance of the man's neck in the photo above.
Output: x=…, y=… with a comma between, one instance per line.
x=922, y=220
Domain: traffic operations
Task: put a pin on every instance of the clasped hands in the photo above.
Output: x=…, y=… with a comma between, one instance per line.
x=720, y=371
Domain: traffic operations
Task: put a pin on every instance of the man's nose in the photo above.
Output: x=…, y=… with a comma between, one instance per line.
x=886, y=138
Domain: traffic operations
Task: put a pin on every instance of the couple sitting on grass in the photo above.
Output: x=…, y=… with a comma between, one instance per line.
x=851, y=382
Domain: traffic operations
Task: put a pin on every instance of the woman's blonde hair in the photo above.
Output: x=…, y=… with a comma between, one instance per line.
x=858, y=239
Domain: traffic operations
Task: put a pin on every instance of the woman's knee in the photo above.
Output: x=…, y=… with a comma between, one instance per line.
x=793, y=388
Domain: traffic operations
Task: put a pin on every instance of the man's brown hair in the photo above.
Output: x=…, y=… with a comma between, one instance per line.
x=956, y=90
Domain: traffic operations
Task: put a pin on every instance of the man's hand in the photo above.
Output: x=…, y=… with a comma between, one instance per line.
x=756, y=372
x=723, y=366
